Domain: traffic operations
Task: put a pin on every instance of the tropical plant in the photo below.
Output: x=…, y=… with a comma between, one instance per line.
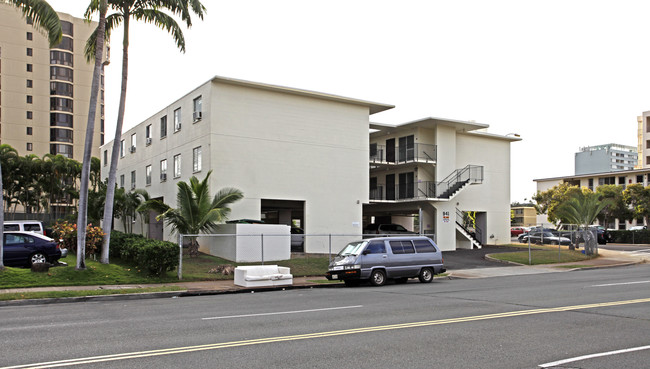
x=149, y=11
x=546, y=202
x=127, y=204
x=617, y=209
x=82, y=217
x=196, y=212
x=583, y=208
x=638, y=198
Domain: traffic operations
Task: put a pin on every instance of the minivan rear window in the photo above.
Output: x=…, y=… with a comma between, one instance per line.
x=12, y=227
x=423, y=246
x=402, y=247
x=32, y=227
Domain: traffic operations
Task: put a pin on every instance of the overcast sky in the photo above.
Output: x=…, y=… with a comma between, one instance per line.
x=562, y=74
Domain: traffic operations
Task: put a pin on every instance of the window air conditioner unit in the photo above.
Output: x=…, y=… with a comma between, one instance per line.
x=132, y=149
x=197, y=116
x=148, y=140
x=163, y=176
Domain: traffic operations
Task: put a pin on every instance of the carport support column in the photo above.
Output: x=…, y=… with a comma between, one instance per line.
x=446, y=225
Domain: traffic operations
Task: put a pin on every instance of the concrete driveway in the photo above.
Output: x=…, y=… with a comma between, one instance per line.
x=475, y=258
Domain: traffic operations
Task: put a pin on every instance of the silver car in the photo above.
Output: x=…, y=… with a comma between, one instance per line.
x=382, y=258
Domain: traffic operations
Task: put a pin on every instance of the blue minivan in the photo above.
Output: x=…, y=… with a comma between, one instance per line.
x=382, y=258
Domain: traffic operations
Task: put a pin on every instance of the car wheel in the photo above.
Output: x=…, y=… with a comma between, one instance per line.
x=377, y=277
x=401, y=280
x=426, y=275
x=38, y=257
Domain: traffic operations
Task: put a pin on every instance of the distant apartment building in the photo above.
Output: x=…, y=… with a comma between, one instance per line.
x=524, y=216
x=605, y=158
x=45, y=92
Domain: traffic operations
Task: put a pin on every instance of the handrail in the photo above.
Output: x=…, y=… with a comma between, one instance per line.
x=418, y=152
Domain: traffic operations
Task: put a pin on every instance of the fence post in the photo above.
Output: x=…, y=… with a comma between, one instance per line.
x=329, y=255
x=180, y=256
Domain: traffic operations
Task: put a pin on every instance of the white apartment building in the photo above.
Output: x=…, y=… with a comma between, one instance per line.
x=45, y=92
x=440, y=169
x=303, y=156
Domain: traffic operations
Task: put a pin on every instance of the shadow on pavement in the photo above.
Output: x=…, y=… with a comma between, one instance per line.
x=475, y=258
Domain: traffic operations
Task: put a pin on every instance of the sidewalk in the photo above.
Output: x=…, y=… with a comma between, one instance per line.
x=607, y=259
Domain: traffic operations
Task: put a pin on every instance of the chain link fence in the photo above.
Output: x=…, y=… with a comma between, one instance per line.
x=568, y=237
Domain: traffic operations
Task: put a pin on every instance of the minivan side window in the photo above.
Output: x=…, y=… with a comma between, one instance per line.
x=402, y=247
x=12, y=227
x=423, y=246
x=376, y=248
x=32, y=227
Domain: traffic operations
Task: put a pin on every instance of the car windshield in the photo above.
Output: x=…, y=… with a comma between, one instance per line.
x=353, y=248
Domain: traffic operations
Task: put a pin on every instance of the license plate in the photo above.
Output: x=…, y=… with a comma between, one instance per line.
x=335, y=276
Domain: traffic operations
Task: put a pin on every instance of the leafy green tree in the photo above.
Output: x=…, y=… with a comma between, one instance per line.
x=149, y=11
x=583, y=208
x=47, y=21
x=196, y=212
x=638, y=198
x=546, y=202
x=617, y=209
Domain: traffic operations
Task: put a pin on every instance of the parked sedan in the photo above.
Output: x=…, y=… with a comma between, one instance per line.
x=27, y=248
x=376, y=228
x=546, y=238
x=516, y=231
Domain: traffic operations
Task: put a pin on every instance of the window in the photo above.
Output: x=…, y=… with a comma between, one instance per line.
x=61, y=120
x=29, y=99
x=67, y=28
x=121, y=180
x=61, y=88
x=376, y=248
x=29, y=51
x=122, y=150
x=30, y=115
x=30, y=147
x=105, y=157
x=423, y=246
x=177, y=120
x=591, y=184
x=147, y=134
x=61, y=73
x=406, y=149
x=196, y=159
x=163, y=170
x=101, y=139
x=65, y=44
x=147, y=172
x=198, y=110
x=647, y=144
x=29, y=67
x=61, y=135
x=177, y=166
x=639, y=178
x=30, y=83
x=30, y=36
x=61, y=149
x=133, y=140
x=402, y=247
x=29, y=131
x=163, y=127
x=133, y=179
x=61, y=104
x=406, y=188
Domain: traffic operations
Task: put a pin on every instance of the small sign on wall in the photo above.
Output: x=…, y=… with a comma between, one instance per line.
x=445, y=217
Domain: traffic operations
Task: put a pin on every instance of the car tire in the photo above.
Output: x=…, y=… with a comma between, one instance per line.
x=38, y=257
x=401, y=280
x=426, y=275
x=377, y=277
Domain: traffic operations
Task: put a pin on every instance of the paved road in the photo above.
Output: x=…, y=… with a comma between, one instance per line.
x=508, y=322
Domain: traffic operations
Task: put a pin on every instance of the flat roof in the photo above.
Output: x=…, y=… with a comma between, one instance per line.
x=597, y=174
x=373, y=106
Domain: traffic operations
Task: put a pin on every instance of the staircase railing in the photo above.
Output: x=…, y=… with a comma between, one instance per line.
x=475, y=232
x=469, y=174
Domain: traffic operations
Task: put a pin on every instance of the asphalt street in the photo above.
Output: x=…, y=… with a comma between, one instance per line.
x=508, y=322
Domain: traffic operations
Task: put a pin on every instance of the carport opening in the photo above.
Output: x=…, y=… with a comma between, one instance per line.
x=287, y=212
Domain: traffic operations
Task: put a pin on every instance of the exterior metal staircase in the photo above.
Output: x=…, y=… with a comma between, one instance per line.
x=463, y=228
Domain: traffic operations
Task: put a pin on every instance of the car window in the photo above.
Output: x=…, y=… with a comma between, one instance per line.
x=32, y=227
x=12, y=227
x=402, y=247
x=14, y=239
x=399, y=228
x=376, y=248
x=372, y=227
x=423, y=246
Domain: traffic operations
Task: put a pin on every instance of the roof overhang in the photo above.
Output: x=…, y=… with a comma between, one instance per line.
x=372, y=106
x=432, y=122
x=598, y=174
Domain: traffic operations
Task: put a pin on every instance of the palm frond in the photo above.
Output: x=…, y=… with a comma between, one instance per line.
x=44, y=17
x=161, y=20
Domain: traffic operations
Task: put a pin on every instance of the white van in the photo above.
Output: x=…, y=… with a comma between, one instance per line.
x=24, y=226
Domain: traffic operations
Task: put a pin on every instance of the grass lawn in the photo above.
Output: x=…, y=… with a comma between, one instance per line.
x=543, y=255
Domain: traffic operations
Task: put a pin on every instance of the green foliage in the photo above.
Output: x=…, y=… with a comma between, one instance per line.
x=581, y=208
x=547, y=202
x=641, y=236
x=158, y=257
x=617, y=208
x=638, y=198
x=119, y=239
x=66, y=234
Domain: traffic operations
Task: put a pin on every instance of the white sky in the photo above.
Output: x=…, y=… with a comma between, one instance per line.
x=562, y=74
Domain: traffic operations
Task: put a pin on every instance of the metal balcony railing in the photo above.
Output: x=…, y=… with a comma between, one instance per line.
x=403, y=154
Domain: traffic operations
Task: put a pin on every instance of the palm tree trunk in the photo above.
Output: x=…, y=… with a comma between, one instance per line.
x=82, y=218
x=110, y=190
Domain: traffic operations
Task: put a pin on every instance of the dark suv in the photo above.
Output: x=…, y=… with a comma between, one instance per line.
x=377, y=228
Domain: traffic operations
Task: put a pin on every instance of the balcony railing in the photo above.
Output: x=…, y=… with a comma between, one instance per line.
x=403, y=154
x=444, y=189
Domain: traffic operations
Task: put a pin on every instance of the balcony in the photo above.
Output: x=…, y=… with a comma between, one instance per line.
x=419, y=153
x=429, y=190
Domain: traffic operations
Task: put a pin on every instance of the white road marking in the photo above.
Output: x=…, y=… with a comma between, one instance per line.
x=618, y=284
x=585, y=357
x=282, y=312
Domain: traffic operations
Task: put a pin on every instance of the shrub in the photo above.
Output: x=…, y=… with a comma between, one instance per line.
x=158, y=257
x=118, y=242
x=66, y=235
x=642, y=236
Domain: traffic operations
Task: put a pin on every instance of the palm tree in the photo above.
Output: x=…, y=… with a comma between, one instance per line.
x=82, y=216
x=149, y=11
x=583, y=208
x=46, y=20
x=196, y=212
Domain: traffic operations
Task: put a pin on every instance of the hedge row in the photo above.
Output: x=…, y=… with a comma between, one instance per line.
x=642, y=236
x=157, y=257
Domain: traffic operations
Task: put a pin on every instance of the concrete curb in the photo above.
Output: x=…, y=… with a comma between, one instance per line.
x=159, y=295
